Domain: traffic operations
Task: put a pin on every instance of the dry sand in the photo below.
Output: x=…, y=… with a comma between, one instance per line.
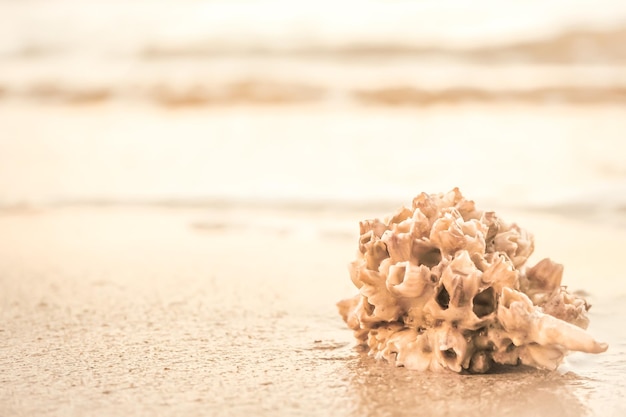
x=109, y=311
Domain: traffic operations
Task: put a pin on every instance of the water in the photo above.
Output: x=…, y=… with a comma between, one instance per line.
x=272, y=102
x=564, y=159
x=225, y=52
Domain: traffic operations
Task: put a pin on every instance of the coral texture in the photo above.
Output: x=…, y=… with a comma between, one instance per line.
x=443, y=285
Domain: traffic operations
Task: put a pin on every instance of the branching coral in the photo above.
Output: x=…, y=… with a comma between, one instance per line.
x=443, y=285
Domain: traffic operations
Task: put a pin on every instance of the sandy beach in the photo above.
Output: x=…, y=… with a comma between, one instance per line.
x=153, y=311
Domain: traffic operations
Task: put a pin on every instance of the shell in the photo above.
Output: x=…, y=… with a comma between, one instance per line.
x=443, y=285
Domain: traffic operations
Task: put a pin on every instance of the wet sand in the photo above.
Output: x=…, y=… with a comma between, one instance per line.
x=139, y=310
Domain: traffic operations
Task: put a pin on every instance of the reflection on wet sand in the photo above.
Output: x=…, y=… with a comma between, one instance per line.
x=384, y=390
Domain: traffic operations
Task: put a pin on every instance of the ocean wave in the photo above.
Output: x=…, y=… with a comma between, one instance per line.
x=604, y=46
x=567, y=49
x=485, y=30
x=253, y=92
x=596, y=206
x=408, y=96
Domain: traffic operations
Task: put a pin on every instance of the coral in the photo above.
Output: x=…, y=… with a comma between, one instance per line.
x=443, y=285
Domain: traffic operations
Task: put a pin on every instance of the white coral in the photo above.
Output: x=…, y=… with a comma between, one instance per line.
x=443, y=285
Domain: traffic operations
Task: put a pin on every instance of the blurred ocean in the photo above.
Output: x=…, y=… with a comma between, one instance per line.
x=181, y=53
x=314, y=104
